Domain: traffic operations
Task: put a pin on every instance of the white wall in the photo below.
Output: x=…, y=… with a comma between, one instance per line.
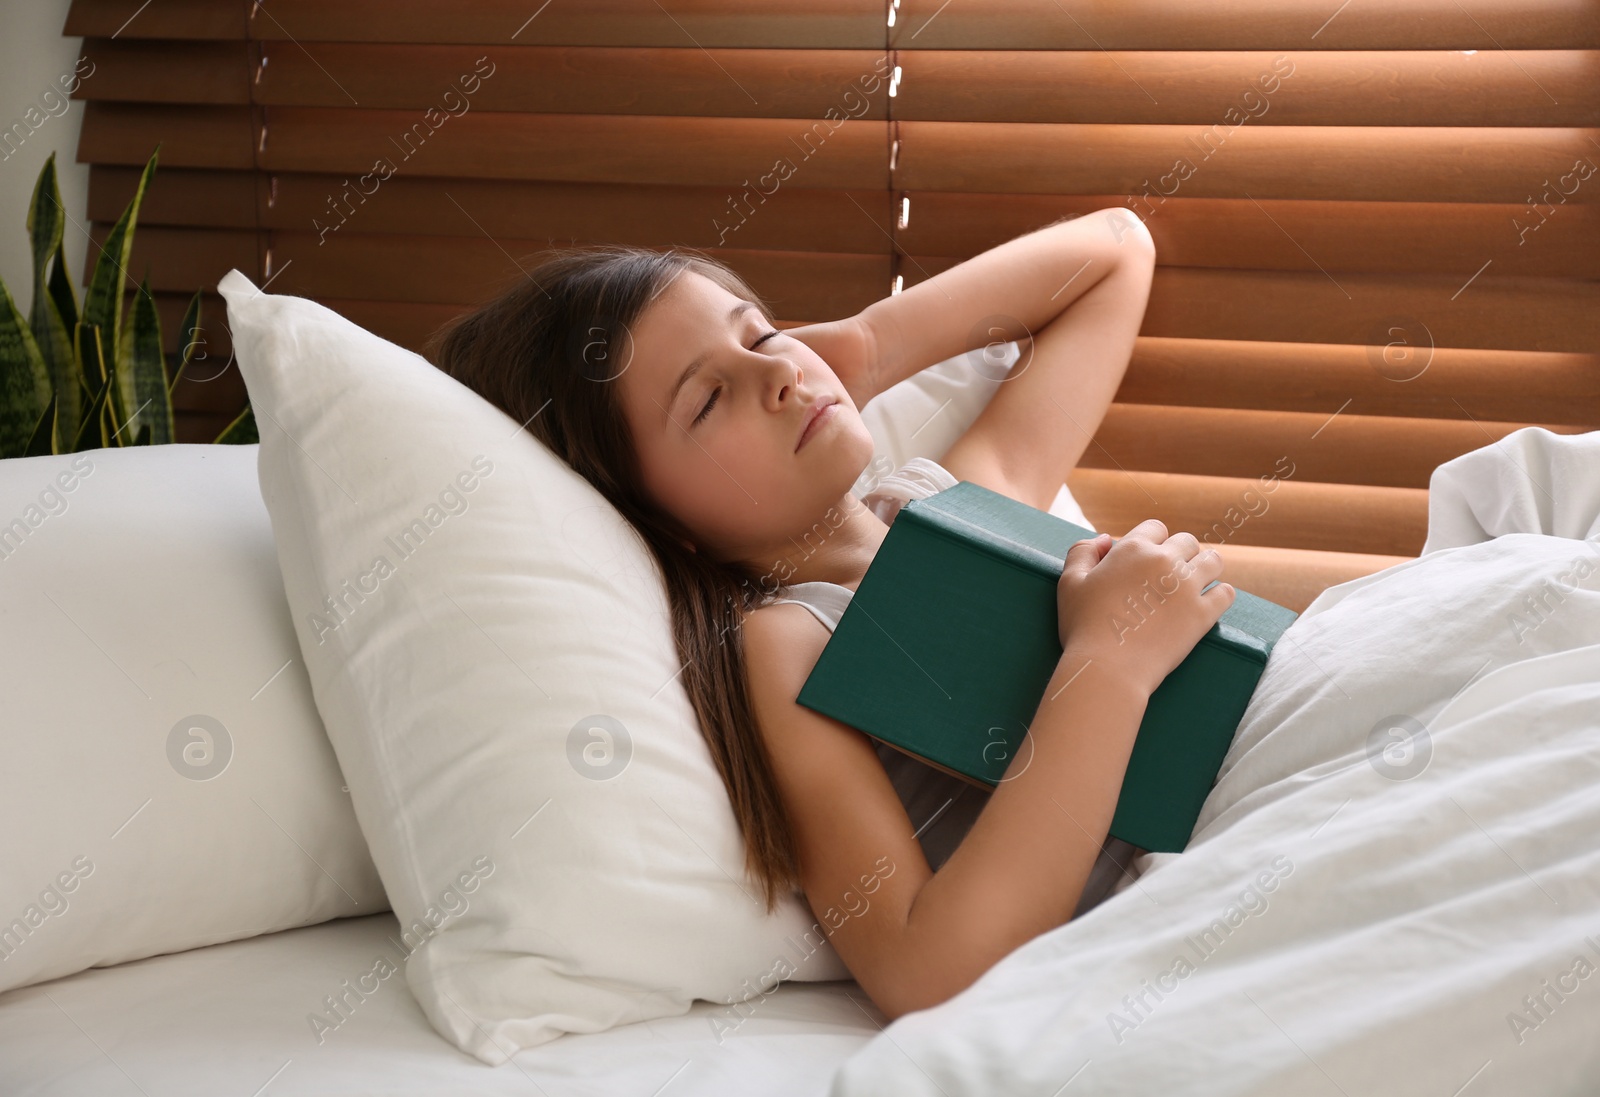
x=34, y=58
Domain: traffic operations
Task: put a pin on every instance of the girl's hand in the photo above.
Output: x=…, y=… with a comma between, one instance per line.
x=848, y=348
x=1135, y=606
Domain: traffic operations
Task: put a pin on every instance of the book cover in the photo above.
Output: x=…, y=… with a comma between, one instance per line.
x=951, y=637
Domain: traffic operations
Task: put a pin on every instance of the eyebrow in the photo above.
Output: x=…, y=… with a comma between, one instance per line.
x=694, y=367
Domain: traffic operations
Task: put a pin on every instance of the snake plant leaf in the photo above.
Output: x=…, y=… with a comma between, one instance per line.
x=46, y=222
x=92, y=416
x=24, y=381
x=62, y=291
x=43, y=442
x=241, y=432
x=144, y=435
x=71, y=392
x=192, y=340
x=102, y=305
x=142, y=370
x=91, y=353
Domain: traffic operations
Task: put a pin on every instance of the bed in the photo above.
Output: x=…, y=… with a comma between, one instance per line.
x=1383, y=895
x=234, y=1018
x=1394, y=886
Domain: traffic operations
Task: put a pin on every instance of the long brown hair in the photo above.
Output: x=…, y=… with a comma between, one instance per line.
x=541, y=352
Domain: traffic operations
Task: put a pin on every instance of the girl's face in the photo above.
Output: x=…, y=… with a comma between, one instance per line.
x=715, y=402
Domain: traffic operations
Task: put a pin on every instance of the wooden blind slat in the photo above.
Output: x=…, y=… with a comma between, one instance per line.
x=1436, y=164
x=1549, y=314
x=1421, y=88
x=1336, y=446
x=1246, y=24
x=792, y=219
x=176, y=196
x=1403, y=376
x=768, y=83
x=761, y=153
x=1294, y=87
x=1294, y=234
x=174, y=19
x=184, y=260
x=684, y=24
x=188, y=135
x=466, y=269
x=860, y=24
x=1329, y=517
x=1294, y=577
x=166, y=71
x=756, y=83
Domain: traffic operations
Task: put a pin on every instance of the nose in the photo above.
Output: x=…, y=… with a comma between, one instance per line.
x=784, y=379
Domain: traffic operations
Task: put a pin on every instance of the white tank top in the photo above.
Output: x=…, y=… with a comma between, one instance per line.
x=942, y=808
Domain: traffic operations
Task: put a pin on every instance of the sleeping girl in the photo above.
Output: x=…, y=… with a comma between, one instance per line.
x=661, y=379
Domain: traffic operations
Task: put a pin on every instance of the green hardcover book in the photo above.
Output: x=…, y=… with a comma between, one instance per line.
x=951, y=638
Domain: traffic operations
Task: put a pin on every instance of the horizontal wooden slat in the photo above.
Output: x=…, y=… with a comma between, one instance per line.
x=1482, y=311
x=191, y=19
x=860, y=24
x=188, y=136
x=1153, y=162
x=1246, y=24
x=1329, y=517
x=1292, y=234
x=757, y=83
x=791, y=219
x=407, y=324
x=166, y=71
x=464, y=270
x=841, y=24
x=442, y=270
x=1299, y=87
x=1339, y=445
x=1406, y=379
x=182, y=260
x=188, y=197
x=764, y=153
x=1294, y=577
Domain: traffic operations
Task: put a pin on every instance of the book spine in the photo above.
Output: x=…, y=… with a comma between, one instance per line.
x=1017, y=553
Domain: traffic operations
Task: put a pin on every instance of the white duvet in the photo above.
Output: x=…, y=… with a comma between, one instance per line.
x=1394, y=887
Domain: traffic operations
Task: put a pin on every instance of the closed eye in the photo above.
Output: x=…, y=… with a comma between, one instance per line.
x=718, y=391
x=707, y=409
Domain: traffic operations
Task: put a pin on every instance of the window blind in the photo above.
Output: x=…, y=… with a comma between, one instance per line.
x=1376, y=227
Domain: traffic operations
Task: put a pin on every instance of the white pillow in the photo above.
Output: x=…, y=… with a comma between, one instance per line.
x=502, y=691
x=140, y=599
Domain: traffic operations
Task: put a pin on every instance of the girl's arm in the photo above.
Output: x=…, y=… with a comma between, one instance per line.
x=1037, y=425
x=909, y=936
x=912, y=937
x=1006, y=293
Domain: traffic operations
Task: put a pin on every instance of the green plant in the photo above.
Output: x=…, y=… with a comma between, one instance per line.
x=71, y=381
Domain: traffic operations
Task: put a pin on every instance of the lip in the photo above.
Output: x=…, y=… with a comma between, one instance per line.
x=814, y=413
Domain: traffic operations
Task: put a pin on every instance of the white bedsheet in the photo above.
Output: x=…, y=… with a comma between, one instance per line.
x=232, y=1020
x=1417, y=912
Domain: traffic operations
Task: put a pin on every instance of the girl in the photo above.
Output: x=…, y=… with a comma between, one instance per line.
x=733, y=448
